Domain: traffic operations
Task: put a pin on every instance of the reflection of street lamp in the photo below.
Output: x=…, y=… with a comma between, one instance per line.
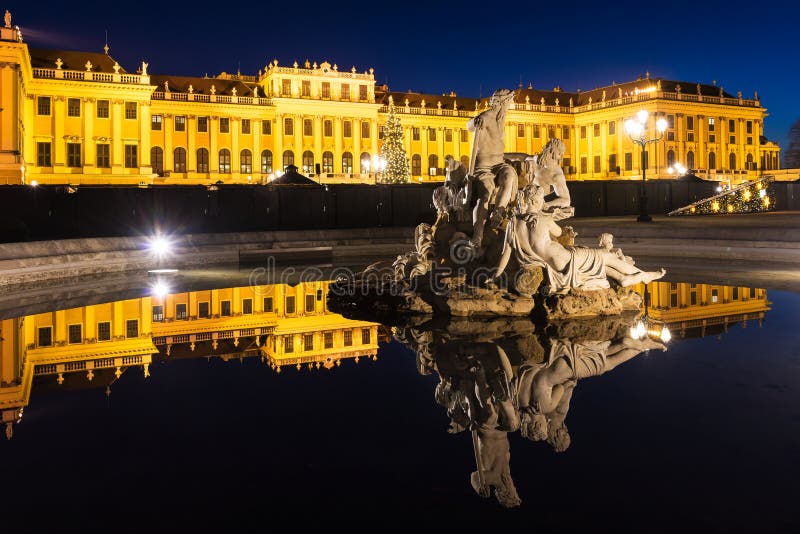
x=643, y=327
x=638, y=132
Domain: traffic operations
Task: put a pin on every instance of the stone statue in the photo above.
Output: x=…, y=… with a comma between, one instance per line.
x=495, y=180
x=457, y=181
x=548, y=174
x=144, y=68
x=7, y=19
x=606, y=241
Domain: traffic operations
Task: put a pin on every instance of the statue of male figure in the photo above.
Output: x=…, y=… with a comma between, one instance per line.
x=494, y=180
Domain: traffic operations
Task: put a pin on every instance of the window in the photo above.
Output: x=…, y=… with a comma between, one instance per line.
x=347, y=163
x=132, y=328
x=74, y=333
x=584, y=165
x=365, y=336
x=566, y=164
x=45, y=336
x=267, y=304
x=673, y=300
x=130, y=110
x=732, y=162
x=288, y=158
x=327, y=161
x=224, y=125
x=73, y=107
x=565, y=132
x=309, y=303
x=583, y=132
x=157, y=160
x=551, y=132
x=431, y=134
x=690, y=159
x=305, y=88
x=711, y=124
x=714, y=295
x=179, y=156
x=290, y=305
x=225, y=160
x=752, y=292
x=245, y=161
x=203, y=310
x=104, y=331
x=735, y=293
x=286, y=87
x=326, y=89
x=690, y=123
x=448, y=135
x=73, y=154
x=520, y=130
x=43, y=105
x=202, y=124
x=415, y=133
x=308, y=342
x=131, y=156
x=749, y=140
x=345, y=92
x=732, y=139
x=693, y=298
x=670, y=158
x=155, y=122
x=464, y=136
x=365, y=160
x=319, y=295
x=690, y=136
x=749, y=127
x=247, y=306
x=364, y=130
x=308, y=161
x=288, y=126
x=712, y=161
x=180, y=312
x=327, y=128
x=288, y=344
x=266, y=162
x=612, y=163
x=347, y=129
x=712, y=138
x=266, y=127
x=44, y=155
x=597, y=164
x=671, y=121
x=103, y=155
x=537, y=131
x=596, y=130
x=328, y=337
x=308, y=127
x=433, y=164
x=202, y=160
x=348, y=338
x=416, y=165
x=245, y=126
x=362, y=92
x=628, y=161
x=732, y=125
x=102, y=109
x=180, y=123
x=225, y=308
x=612, y=127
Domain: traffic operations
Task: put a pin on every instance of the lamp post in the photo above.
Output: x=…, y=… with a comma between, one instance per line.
x=639, y=134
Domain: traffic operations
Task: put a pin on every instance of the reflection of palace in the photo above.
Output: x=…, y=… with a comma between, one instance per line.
x=285, y=325
x=697, y=310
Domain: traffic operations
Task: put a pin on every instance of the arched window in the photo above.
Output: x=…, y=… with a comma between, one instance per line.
x=327, y=161
x=288, y=159
x=308, y=162
x=157, y=160
x=246, y=161
x=690, y=159
x=670, y=158
x=180, y=159
x=202, y=160
x=266, y=162
x=416, y=165
x=433, y=164
x=732, y=162
x=712, y=161
x=750, y=164
x=225, y=160
x=465, y=161
x=347, y=163
x=366, y=162
x=288, y=126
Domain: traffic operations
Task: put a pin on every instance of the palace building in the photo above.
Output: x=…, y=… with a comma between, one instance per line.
x=71, y=117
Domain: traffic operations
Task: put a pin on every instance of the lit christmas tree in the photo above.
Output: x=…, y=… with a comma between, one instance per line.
x=393, y=161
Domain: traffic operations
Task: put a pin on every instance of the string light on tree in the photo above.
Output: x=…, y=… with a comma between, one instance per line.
x=394, y=168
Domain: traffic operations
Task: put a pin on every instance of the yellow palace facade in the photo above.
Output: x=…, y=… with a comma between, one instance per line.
x=73, y=117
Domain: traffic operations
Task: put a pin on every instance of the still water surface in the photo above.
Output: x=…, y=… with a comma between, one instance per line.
x=248, y=405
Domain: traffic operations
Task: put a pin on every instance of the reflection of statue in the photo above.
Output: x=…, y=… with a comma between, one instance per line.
x=495, y=180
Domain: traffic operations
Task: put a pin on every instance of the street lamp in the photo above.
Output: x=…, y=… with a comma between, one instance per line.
x=638, y=132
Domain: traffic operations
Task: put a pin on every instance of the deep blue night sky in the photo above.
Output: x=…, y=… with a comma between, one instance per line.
x=468, y=47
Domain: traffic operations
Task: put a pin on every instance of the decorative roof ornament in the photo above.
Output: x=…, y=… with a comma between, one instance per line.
x=166, y=86
x=233, y=91
x=527, y=99
x=620, y=93
x=255, y=92
x=406, y=102
x=213, y=89
x=658, y=85
x=191, y=89
x=556, y=102
x=106, y=48
x=698, y=88
x=335, y=67
x=88, y=66
x=647, y=74
x=144, y=68
x=570, y=101
x=294, y=64
x=439, y=104
x=678, y=88
x=721, y=92
x=314, y=66
x=7, y=18
x=604, y=95
x=353, y=70
x=59, y=63
x=371, y=70
x=541, y=101
x=422, y=104
x=116, y=67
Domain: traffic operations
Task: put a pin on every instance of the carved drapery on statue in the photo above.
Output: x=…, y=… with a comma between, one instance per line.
x=586, y=270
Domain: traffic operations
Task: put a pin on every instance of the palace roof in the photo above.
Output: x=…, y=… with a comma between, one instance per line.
x=72, y=60
x=180, y=84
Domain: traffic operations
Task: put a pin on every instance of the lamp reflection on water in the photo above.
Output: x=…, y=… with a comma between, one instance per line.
x=644, y=328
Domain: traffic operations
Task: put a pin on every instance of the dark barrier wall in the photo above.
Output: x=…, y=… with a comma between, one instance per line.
x=51, y=212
